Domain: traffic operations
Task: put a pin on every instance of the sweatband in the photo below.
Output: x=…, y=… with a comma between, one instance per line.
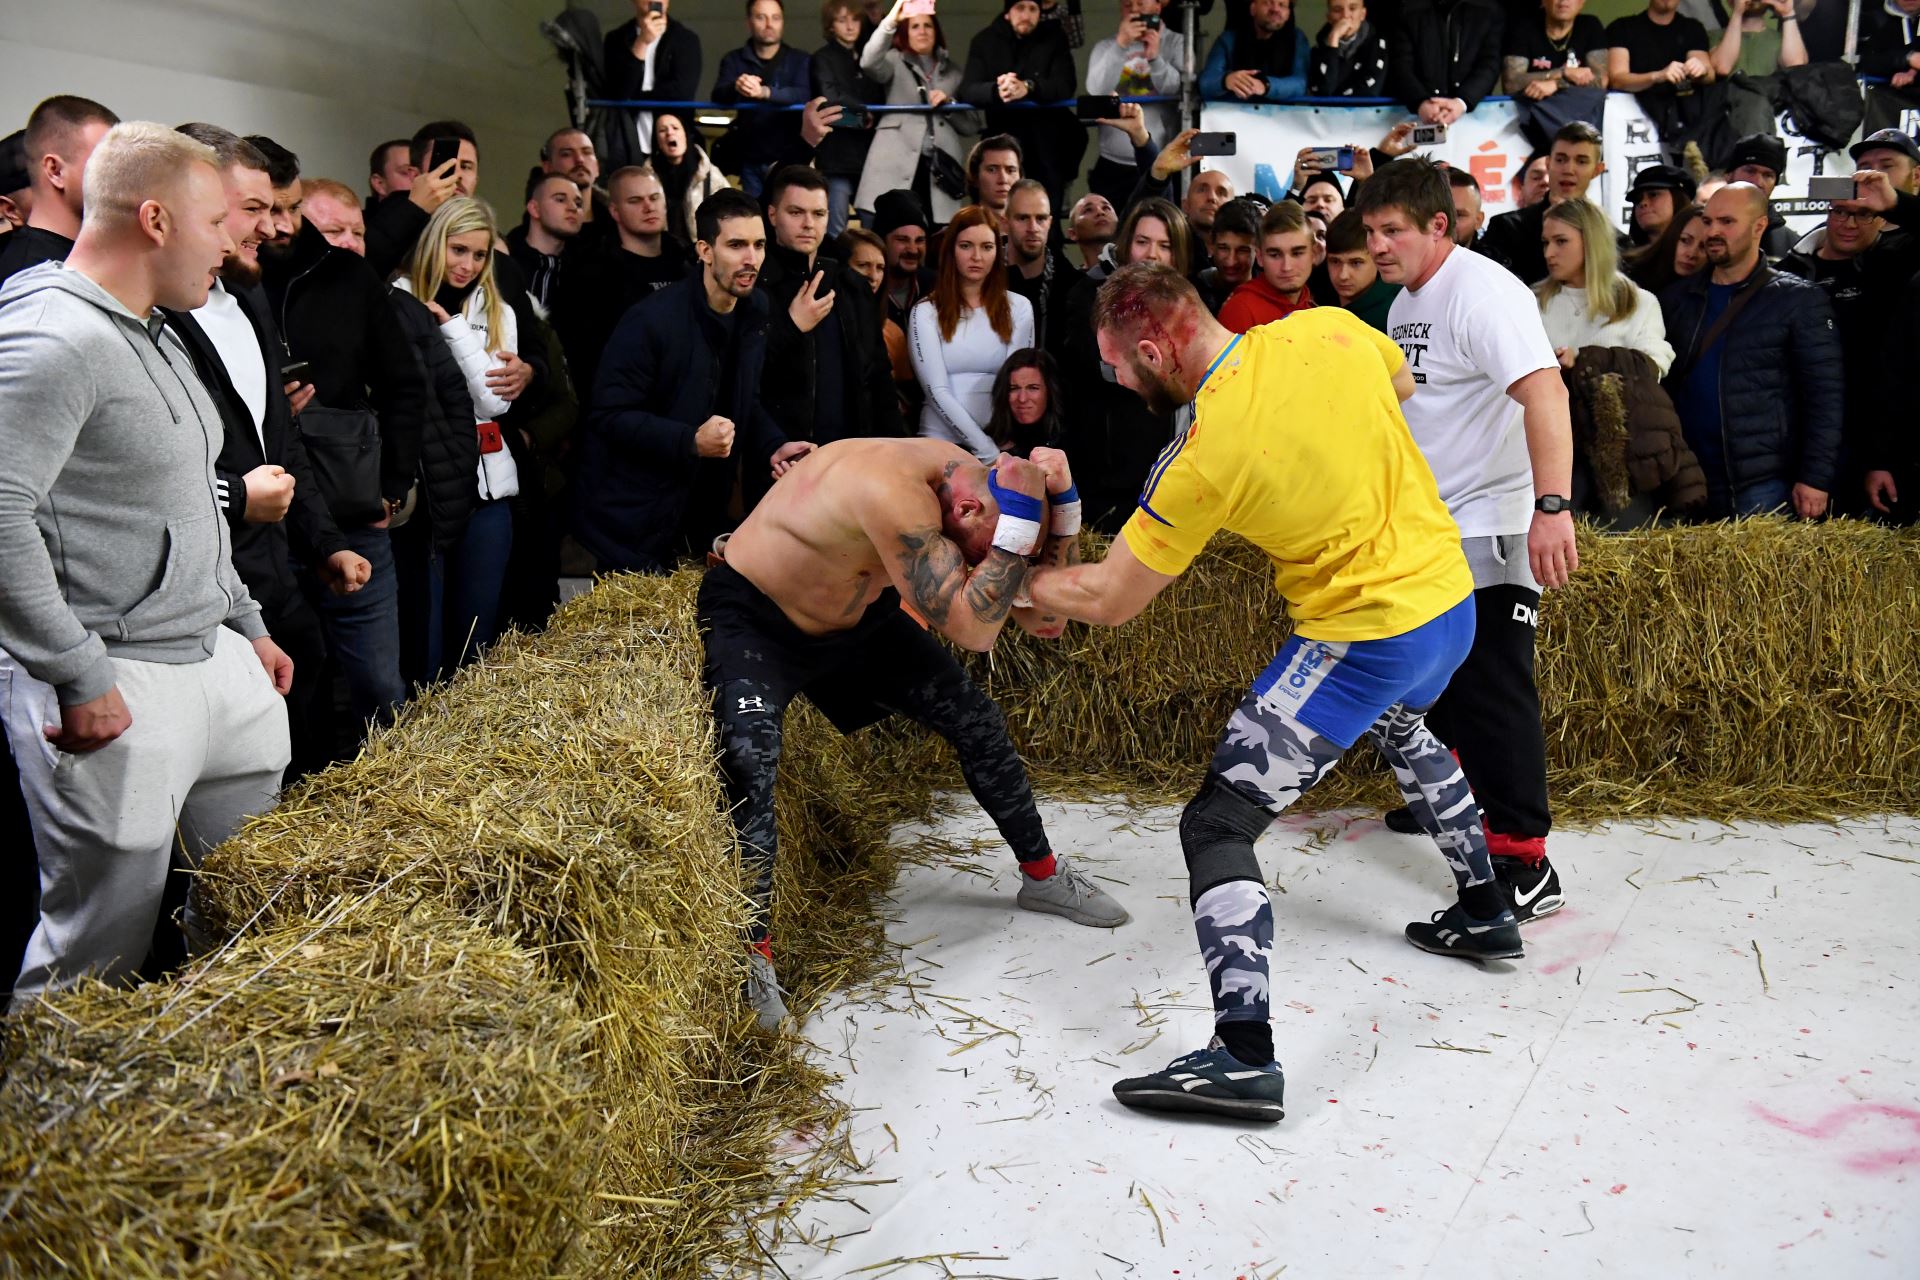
x=1018, y=530
x=1066, y=513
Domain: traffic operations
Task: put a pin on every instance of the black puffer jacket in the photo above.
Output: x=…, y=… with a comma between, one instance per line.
x=449, y=448
x=1782, y=379
x=1445, y=49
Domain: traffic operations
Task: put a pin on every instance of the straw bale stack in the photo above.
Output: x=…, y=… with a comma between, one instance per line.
x=1766, y=669
x=377, y=1093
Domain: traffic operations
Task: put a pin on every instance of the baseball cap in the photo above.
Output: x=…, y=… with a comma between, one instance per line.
x=1883, y=139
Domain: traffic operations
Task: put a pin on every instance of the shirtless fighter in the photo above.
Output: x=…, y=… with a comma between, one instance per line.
x=808, y=601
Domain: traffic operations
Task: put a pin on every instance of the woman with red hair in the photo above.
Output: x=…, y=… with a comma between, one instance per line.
x=964, y=330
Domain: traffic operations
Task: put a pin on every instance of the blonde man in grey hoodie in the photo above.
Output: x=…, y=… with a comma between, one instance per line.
x=141, y=692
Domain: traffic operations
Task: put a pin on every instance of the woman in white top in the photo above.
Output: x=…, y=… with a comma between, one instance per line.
x=964, y=330
x=1585, y=301
x=452, y=273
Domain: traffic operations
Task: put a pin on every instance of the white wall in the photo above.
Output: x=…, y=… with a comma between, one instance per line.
x=325, y=78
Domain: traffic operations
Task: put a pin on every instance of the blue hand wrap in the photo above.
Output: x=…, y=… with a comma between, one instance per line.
x=1017, y=505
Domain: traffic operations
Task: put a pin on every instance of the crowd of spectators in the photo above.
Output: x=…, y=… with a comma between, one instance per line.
x=418, y=415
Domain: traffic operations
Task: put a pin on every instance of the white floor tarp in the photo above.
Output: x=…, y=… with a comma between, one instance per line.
x=1704, y=1066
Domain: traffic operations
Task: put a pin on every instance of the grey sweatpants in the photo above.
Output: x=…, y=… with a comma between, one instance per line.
x=204, y=753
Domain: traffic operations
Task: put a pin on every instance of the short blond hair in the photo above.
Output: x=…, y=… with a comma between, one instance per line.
x=332, y=189
x=138, y=161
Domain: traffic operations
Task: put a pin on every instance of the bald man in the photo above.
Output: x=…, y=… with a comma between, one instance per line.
x=1759, y=384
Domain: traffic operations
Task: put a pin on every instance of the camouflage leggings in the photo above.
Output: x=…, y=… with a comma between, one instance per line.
x=751, y=714
x=1265, y=761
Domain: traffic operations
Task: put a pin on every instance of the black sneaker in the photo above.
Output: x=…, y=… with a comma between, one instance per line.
x=1210, y=1080
x=1455, y=933
x=1403, y=821
x=1534, y=891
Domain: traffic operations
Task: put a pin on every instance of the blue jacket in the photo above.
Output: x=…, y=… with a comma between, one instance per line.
x=759, y=136
x=1782, y=381
x=643, y=496
x=1213, y=77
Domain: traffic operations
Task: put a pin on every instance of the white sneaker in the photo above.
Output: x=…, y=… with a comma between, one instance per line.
x=764, y=992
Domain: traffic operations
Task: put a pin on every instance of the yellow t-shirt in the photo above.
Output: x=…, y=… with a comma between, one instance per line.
x=1298, y=445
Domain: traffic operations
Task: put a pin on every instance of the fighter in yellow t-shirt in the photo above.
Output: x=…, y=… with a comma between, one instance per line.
x=1297, y=444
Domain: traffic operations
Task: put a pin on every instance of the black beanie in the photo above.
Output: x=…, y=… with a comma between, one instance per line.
x=898, y=208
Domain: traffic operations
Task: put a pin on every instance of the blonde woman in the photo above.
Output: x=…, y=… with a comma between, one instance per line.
x=1630, y=455
x=1585, y=301
x=452, y=273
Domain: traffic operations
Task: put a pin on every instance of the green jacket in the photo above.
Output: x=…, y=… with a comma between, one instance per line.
x=1372, y=304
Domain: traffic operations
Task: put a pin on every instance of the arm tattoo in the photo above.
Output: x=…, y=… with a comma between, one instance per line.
x=993, y=584
x=932, y=568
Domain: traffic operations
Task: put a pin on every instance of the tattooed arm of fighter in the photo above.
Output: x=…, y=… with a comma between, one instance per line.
x=968, y=604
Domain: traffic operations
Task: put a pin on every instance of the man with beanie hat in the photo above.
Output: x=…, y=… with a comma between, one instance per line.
x=1657, y=191
x=902, y=226
x=1893, y=153
x=1761, y=158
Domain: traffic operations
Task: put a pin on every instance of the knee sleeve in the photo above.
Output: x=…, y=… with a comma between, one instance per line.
x=1217, y=831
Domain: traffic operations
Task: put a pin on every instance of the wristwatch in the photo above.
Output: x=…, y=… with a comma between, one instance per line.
x=1551, y=504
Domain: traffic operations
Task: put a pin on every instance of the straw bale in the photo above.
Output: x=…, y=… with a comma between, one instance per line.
x=376, y=1094
x=1766, y=669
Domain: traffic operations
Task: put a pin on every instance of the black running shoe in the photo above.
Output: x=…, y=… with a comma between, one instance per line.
x=1210, y=1080
x=1534, y=891
x=1455, y=933
x=1403, y=821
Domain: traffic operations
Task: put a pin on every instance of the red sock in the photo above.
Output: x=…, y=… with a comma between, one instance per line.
x=1039, y=868
x=764, y=946
x=1531, y=850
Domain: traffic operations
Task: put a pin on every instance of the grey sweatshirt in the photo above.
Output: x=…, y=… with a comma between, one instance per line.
x=111, y=539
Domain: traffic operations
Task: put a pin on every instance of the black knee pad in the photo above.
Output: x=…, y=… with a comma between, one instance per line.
x=1217, y=831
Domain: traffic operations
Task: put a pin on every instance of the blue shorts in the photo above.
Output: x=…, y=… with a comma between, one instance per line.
x=1338, y=688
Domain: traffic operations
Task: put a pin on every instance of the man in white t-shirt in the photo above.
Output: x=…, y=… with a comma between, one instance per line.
x=1490, y=413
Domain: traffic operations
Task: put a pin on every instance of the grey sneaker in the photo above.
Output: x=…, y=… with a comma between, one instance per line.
x=764, y=992
x=1069, y=893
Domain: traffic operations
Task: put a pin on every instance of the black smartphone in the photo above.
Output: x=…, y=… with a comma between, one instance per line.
x=444, y=149
x=853, y=115
x=1097, y=106
x=1151, y=21
x=657, y=6
x=1212, y=144
x=298, y=371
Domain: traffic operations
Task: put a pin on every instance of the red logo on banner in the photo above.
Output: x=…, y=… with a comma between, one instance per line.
x=1489, y=169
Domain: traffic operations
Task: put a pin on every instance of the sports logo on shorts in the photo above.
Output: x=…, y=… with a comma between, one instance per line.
x=1311, y=657
x=754, y=703
x=1528, y=614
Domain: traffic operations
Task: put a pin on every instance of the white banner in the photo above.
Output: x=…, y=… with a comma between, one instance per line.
x=1487, y=143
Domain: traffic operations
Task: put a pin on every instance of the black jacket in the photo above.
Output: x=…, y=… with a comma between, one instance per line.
x=1885, y=41
x=592, y=299
x=1513, y=240
x=1782, y=379
x=449, y=447
x=1052, y=138
x=676, y=69
x=789, y=388
x=260, y=551
x=331, y=310
x=1357, y=69
x=837, y=78
x=1867, y=292
x=1445, y=49
x=642, y=496
x=29, y=247
x=1049, y=293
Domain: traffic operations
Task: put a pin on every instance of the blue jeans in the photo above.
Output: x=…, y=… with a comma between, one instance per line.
x=363, y=630
x=839, y=202
x=475, y=575
x=1755, y=499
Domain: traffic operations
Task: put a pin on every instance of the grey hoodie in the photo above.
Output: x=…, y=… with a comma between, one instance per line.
x=111, y=538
